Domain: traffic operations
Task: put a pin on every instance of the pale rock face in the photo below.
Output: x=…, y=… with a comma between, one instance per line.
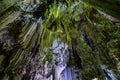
x=59, y=47
x=61, y=56
x=95, y=79
x=70, y=73
x=29, y=5
x=38, y=77
x=110, y=17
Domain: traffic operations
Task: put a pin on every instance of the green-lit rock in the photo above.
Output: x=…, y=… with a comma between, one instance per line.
x=33, y=29
x=111, y=7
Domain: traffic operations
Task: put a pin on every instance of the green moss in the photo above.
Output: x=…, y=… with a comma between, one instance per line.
x=6, y=4
x=63, y=21
x=109, y=6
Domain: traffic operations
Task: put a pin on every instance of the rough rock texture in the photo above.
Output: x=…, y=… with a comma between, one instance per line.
x=90, y=41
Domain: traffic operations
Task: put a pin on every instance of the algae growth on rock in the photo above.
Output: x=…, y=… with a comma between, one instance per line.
x=59, y=40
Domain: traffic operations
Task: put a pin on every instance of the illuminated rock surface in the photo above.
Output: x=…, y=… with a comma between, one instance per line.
x=59, y=40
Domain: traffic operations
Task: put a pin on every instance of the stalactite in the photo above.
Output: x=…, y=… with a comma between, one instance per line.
x=59, y=39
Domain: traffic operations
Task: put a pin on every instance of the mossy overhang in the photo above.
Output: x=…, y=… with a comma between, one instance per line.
x=111, y=7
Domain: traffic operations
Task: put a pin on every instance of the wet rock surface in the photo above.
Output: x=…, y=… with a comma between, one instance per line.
x=57, y=40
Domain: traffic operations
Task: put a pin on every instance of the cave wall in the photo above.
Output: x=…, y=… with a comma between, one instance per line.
x=100, y=46
x=111, y=7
